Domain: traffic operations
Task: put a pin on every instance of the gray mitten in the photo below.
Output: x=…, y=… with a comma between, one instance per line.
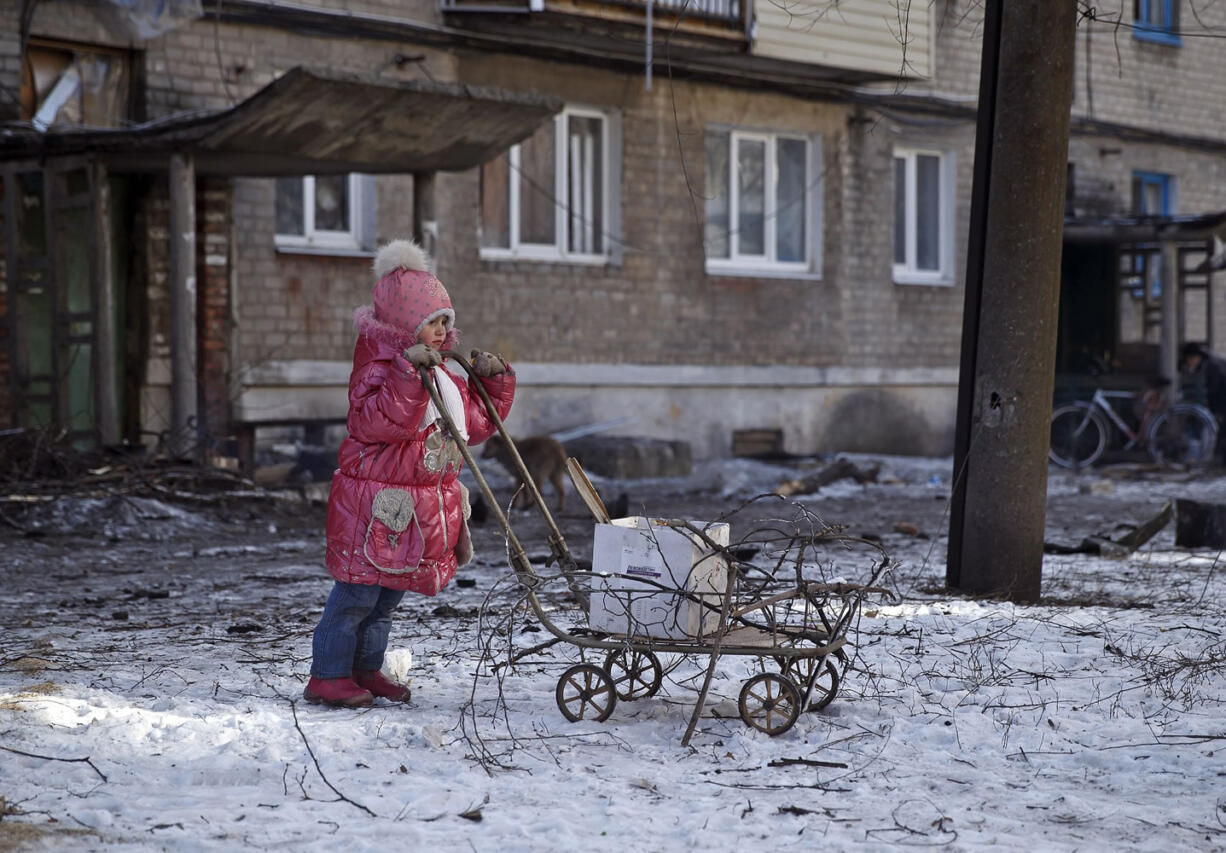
x=486, y=363
x=420, y=355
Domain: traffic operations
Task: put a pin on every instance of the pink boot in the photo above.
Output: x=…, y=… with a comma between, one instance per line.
x=380, y=685
x=337, y=692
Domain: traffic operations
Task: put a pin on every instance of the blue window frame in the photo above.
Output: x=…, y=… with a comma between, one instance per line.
x=1156, y=21
x=1151, y=193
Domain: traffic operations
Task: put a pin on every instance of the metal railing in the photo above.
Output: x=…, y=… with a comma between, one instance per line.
x=729, y=11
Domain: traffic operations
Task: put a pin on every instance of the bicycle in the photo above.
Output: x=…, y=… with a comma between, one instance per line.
x=1180, y=433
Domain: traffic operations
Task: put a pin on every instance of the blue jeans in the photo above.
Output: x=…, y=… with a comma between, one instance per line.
x=352, y=633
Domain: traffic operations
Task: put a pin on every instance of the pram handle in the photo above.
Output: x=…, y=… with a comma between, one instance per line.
x=557, y=543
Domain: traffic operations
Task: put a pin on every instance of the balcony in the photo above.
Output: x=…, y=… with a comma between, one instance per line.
x=718, y=24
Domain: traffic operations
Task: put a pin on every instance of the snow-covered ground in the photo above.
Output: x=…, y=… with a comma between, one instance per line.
x=154, y=657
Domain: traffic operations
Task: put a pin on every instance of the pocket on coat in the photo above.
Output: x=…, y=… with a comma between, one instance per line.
x=394, y=542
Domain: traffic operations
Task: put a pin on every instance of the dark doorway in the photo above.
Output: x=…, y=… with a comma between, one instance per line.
x=1087, y=340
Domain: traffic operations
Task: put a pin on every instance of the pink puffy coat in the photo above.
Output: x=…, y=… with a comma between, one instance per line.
x=397, y=510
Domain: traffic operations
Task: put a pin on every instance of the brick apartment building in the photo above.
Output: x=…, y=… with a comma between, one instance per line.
x=702, y=216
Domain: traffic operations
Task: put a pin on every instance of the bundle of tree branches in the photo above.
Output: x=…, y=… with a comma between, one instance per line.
x=41, y=463
x=28, y=455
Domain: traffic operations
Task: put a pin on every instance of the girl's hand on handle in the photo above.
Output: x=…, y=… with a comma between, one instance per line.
x=420, y=355
x=486, y=363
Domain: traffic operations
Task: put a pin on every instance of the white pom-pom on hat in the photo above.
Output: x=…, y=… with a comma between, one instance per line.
x=400, y=254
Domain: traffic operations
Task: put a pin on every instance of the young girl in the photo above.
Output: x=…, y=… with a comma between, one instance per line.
x=397, y=510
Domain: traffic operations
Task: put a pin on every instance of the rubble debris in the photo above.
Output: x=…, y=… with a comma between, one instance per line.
x=744, y=553
x=591, y=429
x=840, y=469
x=631, y=457
x=757, y=443
x=39, y=465
x=1120, y=541
x=1199, y=525
x=480, y=512
x=620, y=507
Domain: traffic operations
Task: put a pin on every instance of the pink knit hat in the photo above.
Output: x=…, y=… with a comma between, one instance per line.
x=406, y=294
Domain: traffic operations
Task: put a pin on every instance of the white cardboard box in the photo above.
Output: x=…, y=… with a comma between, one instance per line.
x=630, y=556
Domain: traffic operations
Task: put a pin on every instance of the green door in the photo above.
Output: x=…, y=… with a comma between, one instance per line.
x=51, y=312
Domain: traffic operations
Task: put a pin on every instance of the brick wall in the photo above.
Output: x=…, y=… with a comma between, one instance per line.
x=213, y=321
x=10, y=60
x=658, y=306
x=152, y=241
x=295, y=305
x=1128, y=81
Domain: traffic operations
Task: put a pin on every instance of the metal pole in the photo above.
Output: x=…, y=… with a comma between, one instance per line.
x=1169, y=346
x=985, y=122
x=998, y=509
x=184, y=406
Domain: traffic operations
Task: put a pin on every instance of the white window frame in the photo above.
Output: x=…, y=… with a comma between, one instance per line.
x=558, y=251
x=765, y=265
x=907, y=272
x=357, y=239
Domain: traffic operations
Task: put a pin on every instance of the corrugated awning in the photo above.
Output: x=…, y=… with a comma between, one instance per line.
x=316, y=122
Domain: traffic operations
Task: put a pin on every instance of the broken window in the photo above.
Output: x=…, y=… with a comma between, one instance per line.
x=548, y=196
x=327, y=213
x=70, y=85
x=761, y=200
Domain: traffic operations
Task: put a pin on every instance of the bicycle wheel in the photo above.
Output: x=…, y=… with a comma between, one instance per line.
x=1185, y=434
x=1078, y=435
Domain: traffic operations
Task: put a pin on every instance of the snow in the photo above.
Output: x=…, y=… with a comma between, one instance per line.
x=150, y=683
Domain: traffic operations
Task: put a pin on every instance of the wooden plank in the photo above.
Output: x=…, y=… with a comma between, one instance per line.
x=587, y=492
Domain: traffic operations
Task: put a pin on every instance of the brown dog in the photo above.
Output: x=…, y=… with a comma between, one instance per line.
x=544, y=457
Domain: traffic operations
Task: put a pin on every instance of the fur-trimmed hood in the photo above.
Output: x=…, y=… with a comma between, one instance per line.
x=366, y=323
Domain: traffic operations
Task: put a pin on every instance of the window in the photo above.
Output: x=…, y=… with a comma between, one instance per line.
x=1151, y=193
x=923, y=216
x=762, y=208
x=552, y=196
x=67, y=85
x=325, y=213
x=1156, y=20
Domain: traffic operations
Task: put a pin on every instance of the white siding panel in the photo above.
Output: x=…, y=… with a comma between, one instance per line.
x=864, y=35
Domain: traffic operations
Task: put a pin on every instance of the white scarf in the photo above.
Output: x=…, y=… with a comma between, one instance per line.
x=450, y=394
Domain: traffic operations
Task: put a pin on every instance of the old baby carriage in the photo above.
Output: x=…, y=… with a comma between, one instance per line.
x=661, y=586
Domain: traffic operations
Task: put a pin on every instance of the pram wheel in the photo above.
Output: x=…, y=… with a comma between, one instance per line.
x=770, y=703
x=636, y=675
x=586, y=691
x=825, y=680
x=825, y=687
